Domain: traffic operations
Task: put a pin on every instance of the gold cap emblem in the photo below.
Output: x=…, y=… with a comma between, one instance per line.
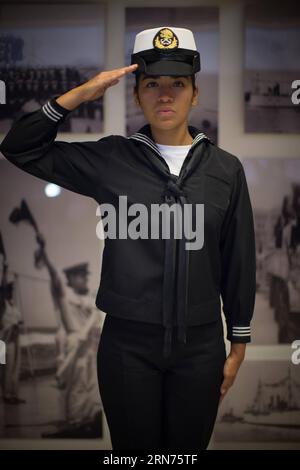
x=165, y=39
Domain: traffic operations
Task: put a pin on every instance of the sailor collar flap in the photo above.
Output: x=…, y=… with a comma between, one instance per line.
x=144, y=135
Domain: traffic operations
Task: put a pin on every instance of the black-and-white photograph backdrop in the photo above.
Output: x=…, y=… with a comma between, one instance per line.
x=44, y=52
x=272, y=63
x=50, y=256
x=204, y=22
x=49, y=274
x=274, y=186
x=263, y=404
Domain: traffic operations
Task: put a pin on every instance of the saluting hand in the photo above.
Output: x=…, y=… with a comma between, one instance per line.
x=94, y=88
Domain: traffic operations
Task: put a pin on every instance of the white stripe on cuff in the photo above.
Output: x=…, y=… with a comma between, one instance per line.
x=48, y=114
x=241, y=328
x=51, y=113
x=54, y=110
x=241, y=331
x=240, y=334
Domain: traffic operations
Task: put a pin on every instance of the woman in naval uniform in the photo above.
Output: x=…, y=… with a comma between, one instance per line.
x=162, y=365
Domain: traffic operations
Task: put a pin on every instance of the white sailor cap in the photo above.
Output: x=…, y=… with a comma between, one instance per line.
x=166, y=50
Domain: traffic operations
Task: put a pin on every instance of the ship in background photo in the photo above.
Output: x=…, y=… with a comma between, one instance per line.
x=272, y=63
x=266, y=409
x=275, y=404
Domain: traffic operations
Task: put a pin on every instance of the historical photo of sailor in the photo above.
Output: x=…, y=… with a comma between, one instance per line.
x=49, y=322
x=277, y=228
x=11, y=322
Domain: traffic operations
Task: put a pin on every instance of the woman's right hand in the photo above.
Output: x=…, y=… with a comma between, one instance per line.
x=94, y=88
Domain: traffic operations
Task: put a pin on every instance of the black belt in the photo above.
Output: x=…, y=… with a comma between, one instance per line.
x=175, y=280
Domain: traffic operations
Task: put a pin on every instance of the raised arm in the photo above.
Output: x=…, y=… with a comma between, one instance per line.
x=78, y=166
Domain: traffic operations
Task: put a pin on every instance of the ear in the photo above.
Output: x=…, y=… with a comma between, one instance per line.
x=195, y=96
x=135, y=96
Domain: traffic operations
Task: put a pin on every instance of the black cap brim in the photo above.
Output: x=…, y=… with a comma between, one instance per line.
x=183, y=62
x=169, y=67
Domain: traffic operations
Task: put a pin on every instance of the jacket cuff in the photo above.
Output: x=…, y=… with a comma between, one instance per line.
x=54, y=111
x=239, y=334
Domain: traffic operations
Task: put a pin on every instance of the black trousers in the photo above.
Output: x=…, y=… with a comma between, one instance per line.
x=157, y=403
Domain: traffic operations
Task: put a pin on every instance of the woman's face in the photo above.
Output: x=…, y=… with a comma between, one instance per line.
x=165, y=100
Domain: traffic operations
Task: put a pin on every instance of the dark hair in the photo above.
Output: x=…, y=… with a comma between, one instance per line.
x=138, y=75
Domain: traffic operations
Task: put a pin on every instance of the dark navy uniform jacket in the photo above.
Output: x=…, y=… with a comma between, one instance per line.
x=155, y=280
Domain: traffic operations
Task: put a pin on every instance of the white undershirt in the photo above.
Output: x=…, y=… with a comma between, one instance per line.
x=174, y=156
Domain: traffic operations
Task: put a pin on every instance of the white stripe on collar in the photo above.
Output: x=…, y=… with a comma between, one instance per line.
x=148, y=141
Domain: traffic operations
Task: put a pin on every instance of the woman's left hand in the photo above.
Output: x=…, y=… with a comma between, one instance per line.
x=231, y=367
